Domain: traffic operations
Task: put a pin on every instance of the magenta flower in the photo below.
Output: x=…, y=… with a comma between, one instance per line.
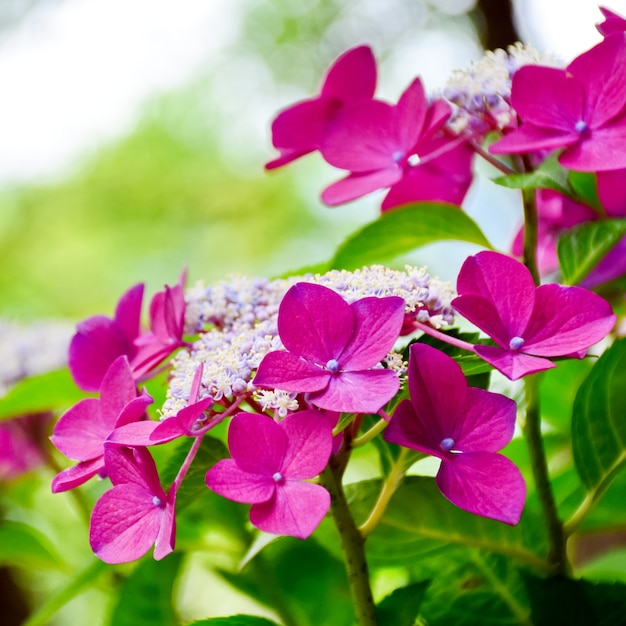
x=333, y=349
x=22, y=444
x=136, y=514
x=82, y=430
x=464, y=427
x=581, y=108
x=270, y=460
x=398, y=147
x=529, y=324
x=298, y=130
x=99, y=340
x=613, y=23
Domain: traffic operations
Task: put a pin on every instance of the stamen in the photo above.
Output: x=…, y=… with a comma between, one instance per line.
x=332, y=365
x=581, y=126
x=156, y=501
x=516, y=343
x=278, y=477
x=447, y=444
x=414, y=160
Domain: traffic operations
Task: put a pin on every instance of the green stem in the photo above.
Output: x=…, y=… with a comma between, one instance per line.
x=394, y=478
x=367, y=436
x=353, y=547
x=557, y=557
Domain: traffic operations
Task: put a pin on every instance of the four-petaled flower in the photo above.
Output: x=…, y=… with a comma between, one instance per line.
x=581, y=108
x=333, y=348
x=298, y=130
x=465, y=427
x=530, y=324
x=136, y=514
x=399, y=147
x=270, y=460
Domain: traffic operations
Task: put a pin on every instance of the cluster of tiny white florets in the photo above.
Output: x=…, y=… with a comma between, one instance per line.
x=480, y=95
x=26, y=350
x=237, y=325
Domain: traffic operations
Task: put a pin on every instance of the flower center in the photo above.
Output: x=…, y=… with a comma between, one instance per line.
x=447, y=444
x=332, y=365
x=156, y=501
x=397, y=156
x=516, y=343
x=278, y=477
x=414, y=159
x=581, y=126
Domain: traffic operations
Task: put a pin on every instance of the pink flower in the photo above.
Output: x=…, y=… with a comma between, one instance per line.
x=528, y=323
x=398, y=147
x=269, y=463
x=333, y=348
x=22, y=444
x=581, y=108
x=99, y=340
x=464, y=427
x=82, y=430
x=299, y=129
x=136, y=514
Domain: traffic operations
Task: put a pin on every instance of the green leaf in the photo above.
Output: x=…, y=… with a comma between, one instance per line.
x=405, y=229
x=575, y=602
x=23, y=546
x=549, y=175
x=598, y=421
x=53, y=391
x=401, y=607
x=145, y=597
x=581, y=248
x=585, y=187
x=235, y=620
x=419, y=520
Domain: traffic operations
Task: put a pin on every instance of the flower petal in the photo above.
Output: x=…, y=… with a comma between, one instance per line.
x=77, y=475
x=352, y=76
x=229, y=481
x=296, y=510
x=357, y=392
x=283, y=370
x=513, y=364
x=485, y=484
x=310, y=441
x=356, y=185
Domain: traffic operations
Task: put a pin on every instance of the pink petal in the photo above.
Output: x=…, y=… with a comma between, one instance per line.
x=363, y=137
x=602, y=71
x=229, y=481
x=357, y=392
x=314, y=322
x=352, y=76
x=357, y=185
x=613, y=22
x=125, y=523
x=503, y=282
x=378, y=325
x=602, y=150
x=283, y=370
x=531, y=138
x=407, y=430
x=566, y=320
x=611, y=186
x=257, y=443
x=296, y=510
x=98, y=341
x=410, y=115
x=77, y=475
x=164, y=543
x=137, y=434
x=118, y=388
x=485, y=484
x=128, y=312
x=310, y=441
x=82, y=429
x=133, y=466
x=488, y=422
x=512, y=364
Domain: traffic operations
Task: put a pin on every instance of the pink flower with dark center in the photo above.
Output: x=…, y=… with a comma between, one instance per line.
x=529, y=324
x=581, y=108
x=298, y=130
x=82, y=430
x=398, y=147
x=136, y=514
x=465, y=428
x=333, y=349
x=270, y=462
x=99, y=340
